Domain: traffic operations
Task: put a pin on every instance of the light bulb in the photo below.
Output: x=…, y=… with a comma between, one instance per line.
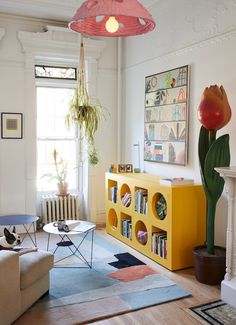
x=112, y=25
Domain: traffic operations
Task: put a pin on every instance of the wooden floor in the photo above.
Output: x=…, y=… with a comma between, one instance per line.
x=172, y=313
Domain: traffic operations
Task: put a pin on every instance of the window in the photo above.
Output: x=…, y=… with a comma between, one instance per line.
x=52, y=106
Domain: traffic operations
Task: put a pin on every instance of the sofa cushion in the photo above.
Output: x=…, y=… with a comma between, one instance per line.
x=33, y=266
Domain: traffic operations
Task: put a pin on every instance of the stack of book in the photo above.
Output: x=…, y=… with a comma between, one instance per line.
x=141, y=197
x=126, y=199
x=127, y=228
x=159, y=241
x=113, y=194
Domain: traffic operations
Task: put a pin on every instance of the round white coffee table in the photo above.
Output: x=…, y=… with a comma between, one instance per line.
x=82, y=230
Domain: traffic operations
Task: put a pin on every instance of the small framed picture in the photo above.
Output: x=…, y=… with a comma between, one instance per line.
x=121, y=168
x=129, y=168
x=11, y=125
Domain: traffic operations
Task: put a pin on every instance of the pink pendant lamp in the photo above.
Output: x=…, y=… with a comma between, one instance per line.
x=112, y=18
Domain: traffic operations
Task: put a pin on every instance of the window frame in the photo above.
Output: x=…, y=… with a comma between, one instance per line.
x=57, y=83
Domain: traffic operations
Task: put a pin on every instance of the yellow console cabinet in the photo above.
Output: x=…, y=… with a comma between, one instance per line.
x=160, y=221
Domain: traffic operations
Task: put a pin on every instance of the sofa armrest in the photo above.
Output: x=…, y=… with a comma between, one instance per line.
x=10, y=303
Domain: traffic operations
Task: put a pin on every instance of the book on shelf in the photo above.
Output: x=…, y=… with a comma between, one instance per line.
x=159, y=241
x=176, y=181
x=126, y=199
x=113, y=194
x=141, y=198
x=127, y=228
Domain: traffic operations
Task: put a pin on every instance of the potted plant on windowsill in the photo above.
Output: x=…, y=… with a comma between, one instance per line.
x=214, y=113
x=60, y=174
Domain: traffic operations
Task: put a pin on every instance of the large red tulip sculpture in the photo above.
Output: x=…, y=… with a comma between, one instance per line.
x=214, y=113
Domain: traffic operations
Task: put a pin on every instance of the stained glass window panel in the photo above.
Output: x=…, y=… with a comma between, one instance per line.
x=66, y=73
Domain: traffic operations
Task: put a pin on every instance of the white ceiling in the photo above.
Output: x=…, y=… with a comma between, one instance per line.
x=49, y=9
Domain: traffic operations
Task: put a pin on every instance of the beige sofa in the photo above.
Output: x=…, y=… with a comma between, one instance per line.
x=23, y=280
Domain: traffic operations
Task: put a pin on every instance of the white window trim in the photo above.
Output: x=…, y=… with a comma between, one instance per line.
x=46, y=83
x=57, y=45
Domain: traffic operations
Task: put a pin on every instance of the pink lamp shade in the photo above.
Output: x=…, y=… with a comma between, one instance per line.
x=112, y=18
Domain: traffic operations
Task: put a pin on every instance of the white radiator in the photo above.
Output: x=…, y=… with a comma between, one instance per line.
x=60, y=207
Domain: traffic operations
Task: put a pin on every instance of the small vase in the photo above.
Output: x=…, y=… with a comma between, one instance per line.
x=62, y=189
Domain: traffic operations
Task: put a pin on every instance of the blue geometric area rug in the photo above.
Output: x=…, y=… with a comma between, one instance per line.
x=216, y=313
x=117, y=283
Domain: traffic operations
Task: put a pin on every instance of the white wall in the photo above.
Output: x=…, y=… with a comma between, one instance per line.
x=201, y=34
x=14, y=173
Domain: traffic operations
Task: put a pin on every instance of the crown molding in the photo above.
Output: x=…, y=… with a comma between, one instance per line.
x=189, y=48
x=2, y=33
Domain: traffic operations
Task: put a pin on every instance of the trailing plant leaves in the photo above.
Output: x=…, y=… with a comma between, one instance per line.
x=87, y=117
x=217, y=156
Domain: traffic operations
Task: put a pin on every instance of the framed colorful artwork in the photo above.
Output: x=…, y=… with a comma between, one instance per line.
x=166, y=116
x=11, y=125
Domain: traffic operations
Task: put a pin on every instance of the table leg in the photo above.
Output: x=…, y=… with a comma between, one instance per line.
x=91, y=254
x=35, y=239
x=28, y=233
x=77, y=250
x=48, y=240
x=91, y=260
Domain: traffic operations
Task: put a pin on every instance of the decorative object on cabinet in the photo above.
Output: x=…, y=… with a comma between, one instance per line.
x=137, y=169
x=214, y=113
x=112, y=18
x=112, y=169
x=166, y=116
x=121, y=168
x=166, y=237
x=129, y=168
x=11, y=125
x=85, y=114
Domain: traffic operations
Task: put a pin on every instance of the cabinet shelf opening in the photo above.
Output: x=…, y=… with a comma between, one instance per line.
x=125, y=195
x=112, y=191
x=141, y=232
x=112, y=219
x=141, y=200
x=159, y=206
x=159, y=242
x=126, y=226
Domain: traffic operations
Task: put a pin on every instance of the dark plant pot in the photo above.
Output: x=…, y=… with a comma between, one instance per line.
x=209, y=269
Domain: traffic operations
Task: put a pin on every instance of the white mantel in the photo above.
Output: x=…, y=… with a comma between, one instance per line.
x=228, y=285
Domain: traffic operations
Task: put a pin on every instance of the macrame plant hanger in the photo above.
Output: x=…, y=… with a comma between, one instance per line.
x=83, y=99
x=82, y=90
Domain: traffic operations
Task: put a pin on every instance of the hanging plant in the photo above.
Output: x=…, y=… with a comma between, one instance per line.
x=83, y=113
